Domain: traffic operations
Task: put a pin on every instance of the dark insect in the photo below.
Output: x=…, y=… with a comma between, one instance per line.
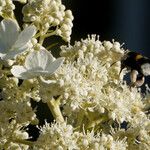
x=139, y=66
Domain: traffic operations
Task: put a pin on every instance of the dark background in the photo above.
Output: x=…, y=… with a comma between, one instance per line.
x=126, y=21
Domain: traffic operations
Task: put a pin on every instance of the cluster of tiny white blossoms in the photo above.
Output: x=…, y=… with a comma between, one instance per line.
x=92, y=94
x=7, y=7
x=89, y=85
x=45, y=14
x=62, y=137
x=93, y=107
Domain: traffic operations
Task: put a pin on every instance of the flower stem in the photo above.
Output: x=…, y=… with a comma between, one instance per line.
x=42, y=37
x=93, y=123
x=25, y=142
x=55, y=109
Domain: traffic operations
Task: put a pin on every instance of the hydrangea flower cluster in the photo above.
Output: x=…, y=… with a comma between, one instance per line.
x=61, y=136
x=92, y=105
x=88, y=81
x=6, y=8
x=92, y=94
x=45, y=14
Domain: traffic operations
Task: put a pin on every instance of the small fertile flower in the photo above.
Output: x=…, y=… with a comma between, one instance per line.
x=37, y=63
x=61, y=136
x=58, y=136
x=6, y=8
x=12, y=41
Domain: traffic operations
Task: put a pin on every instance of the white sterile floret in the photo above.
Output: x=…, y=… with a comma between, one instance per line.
x=12, y=41
x=37, y=63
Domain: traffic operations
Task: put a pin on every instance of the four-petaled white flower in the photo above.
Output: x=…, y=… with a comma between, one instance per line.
x=12, y=41
x=37, y=63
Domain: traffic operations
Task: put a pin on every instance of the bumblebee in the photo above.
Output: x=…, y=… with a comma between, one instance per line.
x=139, y=66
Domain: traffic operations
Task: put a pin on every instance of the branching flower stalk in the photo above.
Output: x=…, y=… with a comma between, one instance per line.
x=54, y=106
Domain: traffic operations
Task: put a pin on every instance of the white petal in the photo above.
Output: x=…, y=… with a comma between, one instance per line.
x=38, y=59
x=52, y=67
x=25, y=36
x=45, y=58
x=9, y=31
x=31, y=60
x=18, y=70
x=14, y=53
x=22, y=73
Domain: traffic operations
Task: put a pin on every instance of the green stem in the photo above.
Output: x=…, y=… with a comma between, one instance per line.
x=93, y=123
x=25, y=142
x=79, y=124
x=42, y=37
x=50, y=46
x=55, y=109
x=50, y=34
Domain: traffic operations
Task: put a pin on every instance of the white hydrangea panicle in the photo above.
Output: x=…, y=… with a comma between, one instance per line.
x=20, y=112
x=137, y=132
x=15, y=116
x=61, y=136
x=100, y=141
x=12, y=41
x=11, y=90
x=7, y=7
x=49, y=13
x=56, y=136
x=37, y=63
x=89, y=86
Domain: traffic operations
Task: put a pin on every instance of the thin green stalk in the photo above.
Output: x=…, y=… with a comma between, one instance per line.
x=54, y=106
x=25, y=142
